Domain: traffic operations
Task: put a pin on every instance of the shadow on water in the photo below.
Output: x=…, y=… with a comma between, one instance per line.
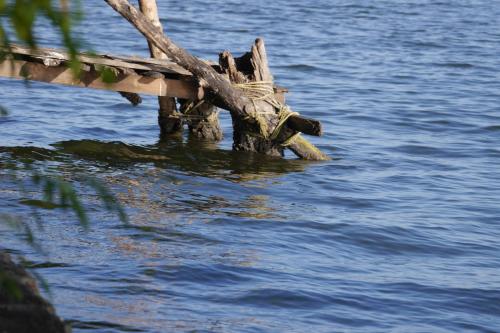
x=198, y=157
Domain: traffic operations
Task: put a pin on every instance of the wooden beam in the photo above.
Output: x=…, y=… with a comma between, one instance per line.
x=132, y=83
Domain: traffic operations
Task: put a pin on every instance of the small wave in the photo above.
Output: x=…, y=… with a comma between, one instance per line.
x=95, y=131
x=475, y=300
x=210, y=274
x=31, y=152
x=272, y=298
x=96, y=325
x=424, y=44
x=47, y=264
x=303, y=67
x=455, y=65
x=428, y=151
x=492, y=128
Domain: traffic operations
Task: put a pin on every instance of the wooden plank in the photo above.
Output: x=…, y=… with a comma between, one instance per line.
x=158, y=65
x=135, y=63
x=132, y=83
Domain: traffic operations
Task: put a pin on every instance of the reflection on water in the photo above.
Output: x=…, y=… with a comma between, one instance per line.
x=195, y=157
x=147, y=178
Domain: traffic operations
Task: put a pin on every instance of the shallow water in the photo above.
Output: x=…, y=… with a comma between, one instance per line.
x=399, y=232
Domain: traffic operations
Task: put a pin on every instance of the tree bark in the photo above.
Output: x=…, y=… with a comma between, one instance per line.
x=167, y=119
x=251, y=67
x=218, y=90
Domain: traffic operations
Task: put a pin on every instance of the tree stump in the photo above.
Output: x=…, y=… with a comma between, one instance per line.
x=252, y=67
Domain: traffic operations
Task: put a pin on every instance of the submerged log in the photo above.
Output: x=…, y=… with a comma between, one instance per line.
x=216, y=87
x=168, y=120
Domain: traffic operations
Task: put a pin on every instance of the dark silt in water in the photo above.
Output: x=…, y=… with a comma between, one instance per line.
x=400, y=232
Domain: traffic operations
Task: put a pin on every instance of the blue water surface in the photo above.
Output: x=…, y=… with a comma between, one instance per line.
x=398, y=233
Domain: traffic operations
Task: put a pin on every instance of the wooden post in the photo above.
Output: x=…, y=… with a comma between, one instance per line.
x=202, y=119
x=217, y=88
x=167, y=119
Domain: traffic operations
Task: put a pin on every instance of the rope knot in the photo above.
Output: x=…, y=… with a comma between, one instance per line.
x=264, y=91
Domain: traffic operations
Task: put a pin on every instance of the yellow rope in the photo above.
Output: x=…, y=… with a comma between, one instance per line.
x=191, y=106
x=264, y=91
x=261, y=91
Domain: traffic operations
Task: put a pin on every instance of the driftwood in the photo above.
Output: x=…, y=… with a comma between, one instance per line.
x=219, y=91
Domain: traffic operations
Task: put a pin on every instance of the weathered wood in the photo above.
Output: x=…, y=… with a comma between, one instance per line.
x=202, y=119
x=132, y=83
x=133, y=98
x=150, y=11
x=135, y=63
x=156, y=68
x=143, y=66
x=251, y=67
x=53, y=58
x=307, y=151
x=51, y=62
x=167, y=119
x=216, y=87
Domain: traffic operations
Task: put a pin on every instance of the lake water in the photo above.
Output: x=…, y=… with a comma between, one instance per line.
x=400, y=232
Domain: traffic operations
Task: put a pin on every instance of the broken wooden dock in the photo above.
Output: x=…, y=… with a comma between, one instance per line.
x=262, y=122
